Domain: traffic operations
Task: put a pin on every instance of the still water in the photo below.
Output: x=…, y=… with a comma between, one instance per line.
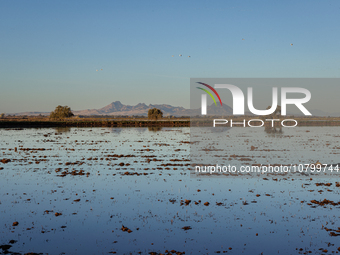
x=70, y=191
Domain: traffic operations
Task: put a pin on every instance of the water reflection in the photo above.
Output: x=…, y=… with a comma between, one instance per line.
x=116, y=130
x=140, y=180
x=154, y=129
x=273, y=131
x=62, y=130
x=219, y=129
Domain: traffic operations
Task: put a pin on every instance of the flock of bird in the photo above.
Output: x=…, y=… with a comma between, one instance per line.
x=181, y=55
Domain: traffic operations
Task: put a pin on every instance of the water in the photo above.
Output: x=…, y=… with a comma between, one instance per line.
x=37, y=183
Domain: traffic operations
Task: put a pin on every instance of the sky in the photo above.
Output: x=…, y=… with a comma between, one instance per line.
x=50, y=50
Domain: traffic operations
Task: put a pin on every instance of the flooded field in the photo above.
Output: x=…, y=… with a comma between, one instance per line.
x=131, y=191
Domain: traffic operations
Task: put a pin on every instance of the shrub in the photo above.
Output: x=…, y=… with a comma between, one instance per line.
x=155, y=114
x=61, y=112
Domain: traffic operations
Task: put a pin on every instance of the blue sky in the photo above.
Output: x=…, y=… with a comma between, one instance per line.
x=50, y=50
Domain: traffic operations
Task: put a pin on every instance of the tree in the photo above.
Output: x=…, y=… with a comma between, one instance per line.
x=155, y=113
x=61, y=112
x=276, y=114
x=2, y=115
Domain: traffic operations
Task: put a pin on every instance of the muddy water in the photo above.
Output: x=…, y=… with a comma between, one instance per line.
x=130, y=191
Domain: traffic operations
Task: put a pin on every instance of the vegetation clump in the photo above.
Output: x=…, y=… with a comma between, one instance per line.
x=155, y=114
x=61, y=112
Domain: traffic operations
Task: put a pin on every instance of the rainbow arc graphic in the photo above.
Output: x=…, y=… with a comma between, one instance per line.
x=204, y=97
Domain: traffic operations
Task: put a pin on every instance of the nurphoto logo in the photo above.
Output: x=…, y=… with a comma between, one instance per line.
x=239, y=103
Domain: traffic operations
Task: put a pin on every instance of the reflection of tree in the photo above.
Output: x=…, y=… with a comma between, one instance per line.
x=62, y=129
x=141, y=129
x=273, y=131
x=116, y=130
x=273, y=128
x=219, y=129
x=154, y=129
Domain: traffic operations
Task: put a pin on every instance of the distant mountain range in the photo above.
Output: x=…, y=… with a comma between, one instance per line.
x=117, y=108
